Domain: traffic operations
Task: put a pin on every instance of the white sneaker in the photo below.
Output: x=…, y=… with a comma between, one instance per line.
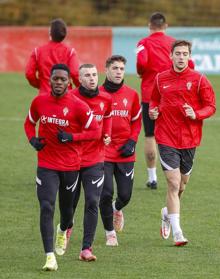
x=51, y=263
x=61, y=242
x=179, y=239
x=165, y=225
x=111, y=240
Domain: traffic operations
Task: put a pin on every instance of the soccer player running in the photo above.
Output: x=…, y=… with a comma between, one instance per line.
x=120, y=153
x=44, y=57
x=92, y=156
x=64, y=121
x=153, y=56
x=181, y=99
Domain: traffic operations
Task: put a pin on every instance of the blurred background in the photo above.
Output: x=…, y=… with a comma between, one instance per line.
x=109, y=13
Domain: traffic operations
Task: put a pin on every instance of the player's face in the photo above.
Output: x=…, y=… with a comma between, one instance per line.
x=115, y=72
x=59, y=81
x=180, y=57
x=88, y=77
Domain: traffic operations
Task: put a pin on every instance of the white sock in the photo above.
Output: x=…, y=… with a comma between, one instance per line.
x=175, y=222
x=50, y=254
x=110, y=233
x=113, y=206
x=165, y=212
x=152, y=176
x=62, y=232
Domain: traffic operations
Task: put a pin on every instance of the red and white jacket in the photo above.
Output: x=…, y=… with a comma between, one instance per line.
x=126, y=122
x=171, y=91
x=101, y=107
x=43, y=58
x=67, y=113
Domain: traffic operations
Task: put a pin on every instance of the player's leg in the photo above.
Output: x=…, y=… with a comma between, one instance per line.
x=75, y=203
x=92, y=181
x=124, y=176
x=67, y=191
x=47, y=187
x=105, y=204
x=170, y=160
x=150, y=147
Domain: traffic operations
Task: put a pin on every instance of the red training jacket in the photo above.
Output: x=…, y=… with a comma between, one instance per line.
x=126, y=122
x=171, y=91
x=153, y=57
x=101, y=106
x=67, y=113
x=43, y=58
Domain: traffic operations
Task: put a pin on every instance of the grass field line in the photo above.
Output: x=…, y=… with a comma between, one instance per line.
x=19, y=119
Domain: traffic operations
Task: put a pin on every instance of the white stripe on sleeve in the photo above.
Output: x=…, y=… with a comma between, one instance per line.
x=89, y=121
x=31, y=118
x=136, y=116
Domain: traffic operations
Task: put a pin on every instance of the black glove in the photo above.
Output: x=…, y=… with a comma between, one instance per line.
x=37, y=142
x=128, y=148
x=64, y=137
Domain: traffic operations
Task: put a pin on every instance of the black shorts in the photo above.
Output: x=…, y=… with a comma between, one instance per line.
x=172, y=158
x=148, y=123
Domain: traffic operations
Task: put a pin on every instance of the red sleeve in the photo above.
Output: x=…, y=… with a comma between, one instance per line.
x=142, y=58
x=107, y=121
x=91, y=130
x=31, y=70
x=74, y=67
x=155, y=97
x=135, y=119
x=208, y=100
x=31, y=120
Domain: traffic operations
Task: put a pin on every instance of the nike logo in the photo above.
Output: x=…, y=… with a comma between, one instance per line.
x=99, y=181
x=64, y=140
x=73, y=186
x=88, y=112
x=115, y=104
x=130, y=173
x=166, y=86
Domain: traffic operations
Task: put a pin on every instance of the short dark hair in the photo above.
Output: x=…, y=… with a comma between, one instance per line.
x=58, y=30
x=114, y=58
x=60, y=67
x=87, y=65
x=181, y=43
x=157, y=20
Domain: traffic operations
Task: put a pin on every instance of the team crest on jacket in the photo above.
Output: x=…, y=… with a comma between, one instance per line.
x=125, y=101
x=101, y=105
x=65, y=111
x=189, y=85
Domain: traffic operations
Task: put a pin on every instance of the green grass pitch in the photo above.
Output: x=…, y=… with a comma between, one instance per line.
x=141, y=252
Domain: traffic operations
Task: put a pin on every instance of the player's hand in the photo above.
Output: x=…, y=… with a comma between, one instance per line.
x=38, y=143
x=153, y=113
x=64, y=137
x=189, y=111
x=128, y=148
x=106, y=139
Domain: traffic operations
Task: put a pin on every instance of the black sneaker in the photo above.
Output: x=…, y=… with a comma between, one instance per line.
x=152, y=185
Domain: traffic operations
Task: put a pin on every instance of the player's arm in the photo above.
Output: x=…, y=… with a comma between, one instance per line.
x=128, y=149
x=142, y=58
x=31, y=70
x=38, y=143
x=208, y=100
x=155, y=100
x=74, y=67
x=135, y=119
x=107, y=124
x=90, y=128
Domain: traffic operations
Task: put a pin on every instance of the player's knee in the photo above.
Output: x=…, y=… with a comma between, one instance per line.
x=46, y=207
x=151, y=156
